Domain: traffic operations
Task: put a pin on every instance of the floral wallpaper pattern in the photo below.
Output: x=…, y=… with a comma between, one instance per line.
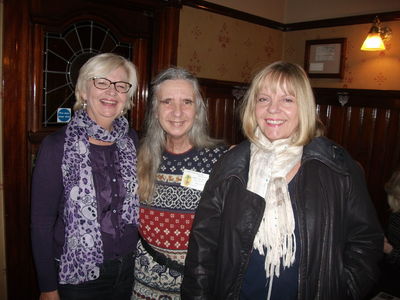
x=218, y=47
x=223, y=37
x=223, y=48
x=194, y=63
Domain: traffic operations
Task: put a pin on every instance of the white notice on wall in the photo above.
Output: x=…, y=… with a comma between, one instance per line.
x=325, y=53
x=316, y=67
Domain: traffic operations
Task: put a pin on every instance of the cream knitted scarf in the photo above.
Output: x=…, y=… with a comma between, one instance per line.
x=270, y=162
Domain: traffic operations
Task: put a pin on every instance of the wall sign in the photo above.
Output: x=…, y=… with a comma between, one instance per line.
x=63, y=115
x=325, y=58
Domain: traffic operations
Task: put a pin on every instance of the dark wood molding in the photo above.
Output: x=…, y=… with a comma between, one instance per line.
x=351, y=20
x=345, y=21
x=229, y=12
x=220, y=83
x=360, y=98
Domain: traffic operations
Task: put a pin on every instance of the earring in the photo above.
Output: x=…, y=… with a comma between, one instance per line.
x=84, y=105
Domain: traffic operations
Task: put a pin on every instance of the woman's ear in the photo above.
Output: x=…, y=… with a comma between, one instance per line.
x=83, y=94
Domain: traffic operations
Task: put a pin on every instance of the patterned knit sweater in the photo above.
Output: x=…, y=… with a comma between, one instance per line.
x=166, y=223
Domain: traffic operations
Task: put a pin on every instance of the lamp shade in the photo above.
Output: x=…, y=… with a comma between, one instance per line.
x=373, y=42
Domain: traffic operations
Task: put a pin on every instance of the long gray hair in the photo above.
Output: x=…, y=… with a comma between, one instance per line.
x=154, y=141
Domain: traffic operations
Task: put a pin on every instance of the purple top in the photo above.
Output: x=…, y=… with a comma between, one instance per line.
x=47, y=226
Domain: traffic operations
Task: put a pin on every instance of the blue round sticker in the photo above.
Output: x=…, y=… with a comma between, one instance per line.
x=63, y=115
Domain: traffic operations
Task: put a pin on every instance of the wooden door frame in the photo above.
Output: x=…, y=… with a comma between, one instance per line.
x=17, y=91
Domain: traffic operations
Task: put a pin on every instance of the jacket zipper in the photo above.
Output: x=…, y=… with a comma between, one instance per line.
x=239, y=285
x=301, y=235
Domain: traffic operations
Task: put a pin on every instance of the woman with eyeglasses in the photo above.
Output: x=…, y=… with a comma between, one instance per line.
x=84, y=190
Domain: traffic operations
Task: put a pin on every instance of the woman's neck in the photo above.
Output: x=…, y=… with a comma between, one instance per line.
x=178, y=146
x=293, y=172
x=106, y=123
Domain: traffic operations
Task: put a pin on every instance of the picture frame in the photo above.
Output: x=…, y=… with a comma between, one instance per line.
x=325, y=58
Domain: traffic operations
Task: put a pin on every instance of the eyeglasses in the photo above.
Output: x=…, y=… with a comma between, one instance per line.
x=103, y=84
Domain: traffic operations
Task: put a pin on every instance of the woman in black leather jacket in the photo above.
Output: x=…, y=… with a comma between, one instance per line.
x=285, y=214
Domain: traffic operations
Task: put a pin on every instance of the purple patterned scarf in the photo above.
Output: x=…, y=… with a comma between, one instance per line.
x=83, y=248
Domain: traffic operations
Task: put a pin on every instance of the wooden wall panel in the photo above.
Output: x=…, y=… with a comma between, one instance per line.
x=368, y=126
x=223, y=119
x=222, y=99
x=20, y=272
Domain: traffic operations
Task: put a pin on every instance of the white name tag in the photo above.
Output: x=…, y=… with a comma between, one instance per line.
x=194, y=180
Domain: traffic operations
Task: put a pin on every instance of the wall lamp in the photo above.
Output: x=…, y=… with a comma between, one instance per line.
x=377, y=37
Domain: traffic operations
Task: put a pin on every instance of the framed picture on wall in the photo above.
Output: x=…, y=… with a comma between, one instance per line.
x=325, y=58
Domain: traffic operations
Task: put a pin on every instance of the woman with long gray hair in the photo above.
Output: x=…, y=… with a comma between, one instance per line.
x=175, y=157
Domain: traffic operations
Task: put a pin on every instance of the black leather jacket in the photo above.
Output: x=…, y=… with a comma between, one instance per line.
x=340, y=237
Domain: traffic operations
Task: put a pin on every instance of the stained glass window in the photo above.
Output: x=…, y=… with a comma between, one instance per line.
x=64, y=54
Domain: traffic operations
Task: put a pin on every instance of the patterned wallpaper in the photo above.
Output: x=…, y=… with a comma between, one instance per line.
x=223, y=48
x=218, y=47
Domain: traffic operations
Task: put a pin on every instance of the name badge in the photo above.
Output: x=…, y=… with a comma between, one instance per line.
x=194, y=180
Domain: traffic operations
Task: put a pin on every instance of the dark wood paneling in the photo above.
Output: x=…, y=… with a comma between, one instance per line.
x=166, y=43
x=368, y=126
x=142, y=61
x=16, y=72
x=223, y=99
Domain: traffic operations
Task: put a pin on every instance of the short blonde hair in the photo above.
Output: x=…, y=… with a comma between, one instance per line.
x=292, y=79
x=100, y=66
x=392, y=188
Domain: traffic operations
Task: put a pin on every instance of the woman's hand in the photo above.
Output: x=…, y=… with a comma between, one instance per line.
x=53, y=295
x=387, y=247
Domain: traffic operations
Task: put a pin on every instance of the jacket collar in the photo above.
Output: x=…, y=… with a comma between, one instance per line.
x=320, y=148
x=237, y=162
x=328, y=153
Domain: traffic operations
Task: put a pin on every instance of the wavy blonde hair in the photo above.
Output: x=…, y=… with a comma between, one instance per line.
x=154, y=139
x=292, y=79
